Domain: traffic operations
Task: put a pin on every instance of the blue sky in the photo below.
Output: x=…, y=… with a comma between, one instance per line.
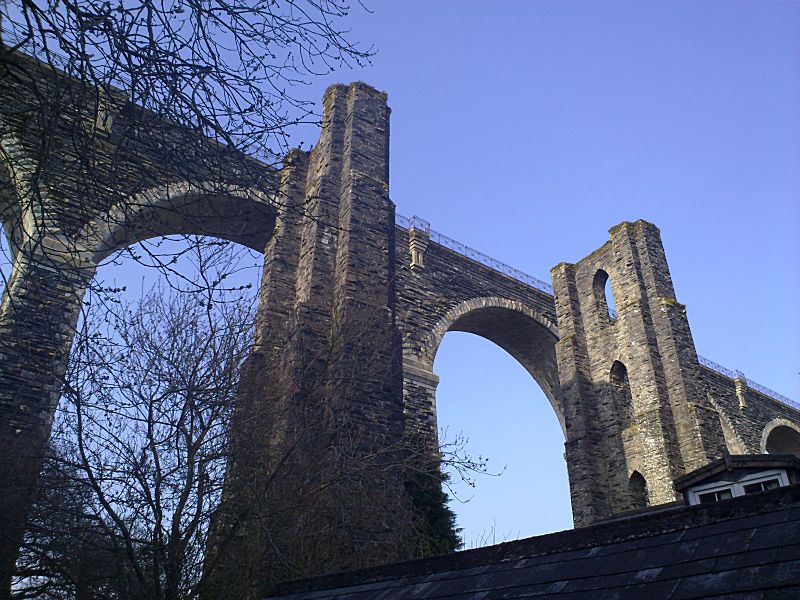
x=527, y=129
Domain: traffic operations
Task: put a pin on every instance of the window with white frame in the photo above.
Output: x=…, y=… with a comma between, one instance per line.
x=752, y=484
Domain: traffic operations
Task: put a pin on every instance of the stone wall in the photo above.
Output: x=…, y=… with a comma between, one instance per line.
x=449, y=292
x=746, y=412
x=316, y=479
x=666, y=432
x=75, y=187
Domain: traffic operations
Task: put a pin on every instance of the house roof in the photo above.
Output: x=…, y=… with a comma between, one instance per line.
x=730, y=462
x=747, y=547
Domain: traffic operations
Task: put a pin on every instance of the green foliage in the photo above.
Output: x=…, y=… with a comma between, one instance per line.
x=434, y=521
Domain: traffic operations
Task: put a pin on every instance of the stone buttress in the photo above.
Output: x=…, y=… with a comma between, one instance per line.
x=636, y=416
x=315, y=483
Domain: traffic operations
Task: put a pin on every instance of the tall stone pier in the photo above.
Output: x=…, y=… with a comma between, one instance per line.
x=316, y=482
x=630, y=377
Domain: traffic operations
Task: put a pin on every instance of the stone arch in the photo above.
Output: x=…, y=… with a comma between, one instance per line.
x=638, y=496
x=603, y=295
x=621, y=393
x=444, y=324
x=21, y=217
x=239, y=214
x=48, y=282
x=781, y=436
x=520, y=330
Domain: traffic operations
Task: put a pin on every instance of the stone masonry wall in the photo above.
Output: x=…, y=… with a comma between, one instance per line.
x=650, y=339
x=316, y=481
x=450, y=292
x=748, y=420
x=71, y=193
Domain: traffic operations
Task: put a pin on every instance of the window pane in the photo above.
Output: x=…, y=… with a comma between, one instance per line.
x=769, y=484
x=752, y=488
x=714, y=496
x=708, y=497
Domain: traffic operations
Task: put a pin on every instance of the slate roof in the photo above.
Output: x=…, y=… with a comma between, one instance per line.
x=746, y=548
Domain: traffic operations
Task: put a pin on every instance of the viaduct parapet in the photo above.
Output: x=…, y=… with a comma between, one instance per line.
x=353, y=306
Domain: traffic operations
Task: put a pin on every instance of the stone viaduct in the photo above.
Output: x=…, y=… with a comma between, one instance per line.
x=637, y=406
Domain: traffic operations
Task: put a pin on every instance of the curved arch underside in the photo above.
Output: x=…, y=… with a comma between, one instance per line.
x=781, y=437
x=10, y=211
x=523, y=337
x=238, y=216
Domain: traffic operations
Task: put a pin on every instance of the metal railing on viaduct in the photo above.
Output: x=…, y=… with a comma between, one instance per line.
x=501, y=267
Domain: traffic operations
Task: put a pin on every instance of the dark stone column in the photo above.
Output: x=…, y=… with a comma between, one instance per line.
x=696, y=424
x=663, y=426
x=649, y=445
x=319, y=423
x=37, y=323
x=243, y=523
x=419, y=401
x=584, y=446
x=367, y=355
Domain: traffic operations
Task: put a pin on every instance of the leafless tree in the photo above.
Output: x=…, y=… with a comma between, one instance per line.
x=100, y=104
x=138, y=498
x=194, y=99
x=226, y=68
x=138, y=450
x=126, y=96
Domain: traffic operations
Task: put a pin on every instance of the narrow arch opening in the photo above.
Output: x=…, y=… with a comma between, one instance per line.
x=490, y=397
x=637, y=491
x=783, y=440
x=603, y=294
x=621, y=388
